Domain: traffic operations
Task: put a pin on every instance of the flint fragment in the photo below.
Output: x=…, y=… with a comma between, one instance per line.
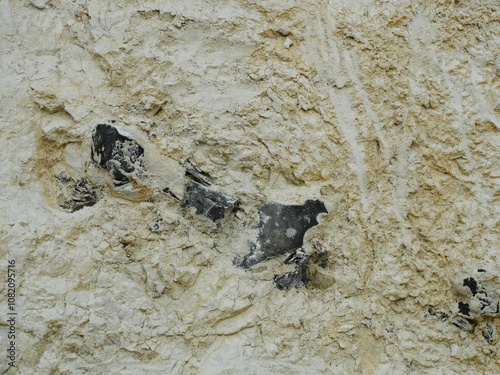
x=281, y=230
x=75, y=194
x=117, y=153
x=209, y=203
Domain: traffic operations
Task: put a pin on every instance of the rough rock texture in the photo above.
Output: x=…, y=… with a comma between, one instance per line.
x=388, y=112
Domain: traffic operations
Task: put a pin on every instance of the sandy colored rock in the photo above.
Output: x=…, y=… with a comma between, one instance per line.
x=388, y=112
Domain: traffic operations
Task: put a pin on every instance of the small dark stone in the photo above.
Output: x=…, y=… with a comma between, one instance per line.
x=169, y=192
x=464, y=308
x=489, y=333
x=485, y=301
x=157, y=225
x=480, y=270
x=438, y=314
x=464, y=324
x=63, y=178
x=297, y=257
x=281, y=229
x=471, y=284
x=116, y=153
x=196, y=174
x=209, y=203
x=75, y=195
x=292, y=279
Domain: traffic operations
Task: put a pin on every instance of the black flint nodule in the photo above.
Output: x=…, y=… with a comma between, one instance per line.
x=209, y=203
x=115, y=152
x=281, y=230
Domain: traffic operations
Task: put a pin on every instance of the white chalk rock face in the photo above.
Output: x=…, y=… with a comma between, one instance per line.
x=250, y=187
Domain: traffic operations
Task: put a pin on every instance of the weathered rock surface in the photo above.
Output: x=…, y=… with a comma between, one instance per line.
x=387, y=112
